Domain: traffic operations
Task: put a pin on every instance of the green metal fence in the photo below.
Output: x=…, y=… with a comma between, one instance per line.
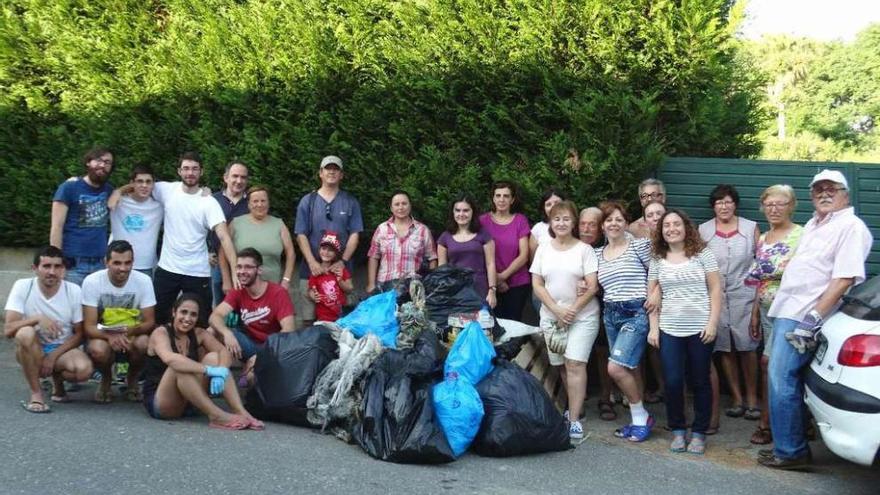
x=690, y=180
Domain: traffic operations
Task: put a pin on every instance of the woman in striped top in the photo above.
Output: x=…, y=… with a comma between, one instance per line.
x=686, y=272
x=623, y=269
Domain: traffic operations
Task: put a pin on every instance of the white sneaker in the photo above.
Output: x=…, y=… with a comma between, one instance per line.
x=576, y=431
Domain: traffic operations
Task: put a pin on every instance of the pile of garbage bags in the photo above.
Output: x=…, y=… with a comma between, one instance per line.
x=399, y=399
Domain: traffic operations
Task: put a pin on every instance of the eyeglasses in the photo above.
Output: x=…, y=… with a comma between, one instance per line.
x=654, y=195
x=723, y=202
x=327, y=212
x=826, y=191
x=776, y=206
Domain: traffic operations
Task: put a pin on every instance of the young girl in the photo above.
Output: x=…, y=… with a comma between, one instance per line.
x=466, y=245
x=686, y=272
x=558, y=268
x=328, y=290
x=175, y=380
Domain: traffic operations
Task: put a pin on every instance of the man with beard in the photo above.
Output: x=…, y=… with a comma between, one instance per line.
x=44, y=316
x=189, y=217
x=136, y=217
x=234, y=203
x=80, y=216
x=118, y=315
x=263, y=307
x=829, y=260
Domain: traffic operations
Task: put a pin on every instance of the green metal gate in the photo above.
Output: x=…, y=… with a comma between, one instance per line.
x=690, y=180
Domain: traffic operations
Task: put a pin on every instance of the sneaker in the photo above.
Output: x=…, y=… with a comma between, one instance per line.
x=96, y=377
x=565, y=415
x=576, y=431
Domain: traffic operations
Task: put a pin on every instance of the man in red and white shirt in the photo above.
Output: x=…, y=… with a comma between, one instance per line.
x=264, y=308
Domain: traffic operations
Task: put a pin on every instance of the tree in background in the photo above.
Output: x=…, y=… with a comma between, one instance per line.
x=435, y=96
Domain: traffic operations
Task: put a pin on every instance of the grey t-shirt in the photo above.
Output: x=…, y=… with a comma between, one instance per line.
x=314, y=216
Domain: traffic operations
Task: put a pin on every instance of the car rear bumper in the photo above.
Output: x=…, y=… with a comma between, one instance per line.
x=848, y=420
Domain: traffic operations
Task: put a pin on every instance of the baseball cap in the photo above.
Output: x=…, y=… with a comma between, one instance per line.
x=331, y=159
x=332, y=240
x=832, y=175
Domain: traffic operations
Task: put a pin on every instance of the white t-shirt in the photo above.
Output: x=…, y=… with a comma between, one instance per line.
x=138, y=223
x=99, y=292
x=562, y=270
x=541, y=232
x=65, y=306
x=188, y=219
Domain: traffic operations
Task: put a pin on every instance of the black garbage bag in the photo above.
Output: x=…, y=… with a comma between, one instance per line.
x=520, y=417
x=397, y=421
x=449, y=290
x=286, y=370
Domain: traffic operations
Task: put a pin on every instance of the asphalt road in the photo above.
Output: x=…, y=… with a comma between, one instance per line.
x=83, y=447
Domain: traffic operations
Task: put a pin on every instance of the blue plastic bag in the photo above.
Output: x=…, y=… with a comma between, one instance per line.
x=459, y=411
x=376, y=315
x=471, y=354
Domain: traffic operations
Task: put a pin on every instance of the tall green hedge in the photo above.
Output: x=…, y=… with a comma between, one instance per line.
x=434, y=96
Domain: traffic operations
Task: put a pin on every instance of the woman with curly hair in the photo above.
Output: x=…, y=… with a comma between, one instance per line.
x=686, y=272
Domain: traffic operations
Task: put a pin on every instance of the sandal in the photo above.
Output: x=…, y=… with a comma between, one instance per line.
x=712, y=430
x=678, y=442
x=36, y=407
x=697, y=445
x=60, y=399
x=653, y=398
x=234, y=423
x=735, y=411
x=752, y=413
x=103, y=396
x=636, y=433
x=606, y=410
x=761, y=436
x=133, y=395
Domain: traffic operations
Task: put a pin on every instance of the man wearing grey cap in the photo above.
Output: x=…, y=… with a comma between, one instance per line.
x=327, y=209
x=829, y=260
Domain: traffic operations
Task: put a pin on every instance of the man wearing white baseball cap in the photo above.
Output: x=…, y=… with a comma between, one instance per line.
x=829, y=260
x=329, y=209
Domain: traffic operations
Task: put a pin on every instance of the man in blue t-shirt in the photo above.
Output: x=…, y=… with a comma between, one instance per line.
x=327, y=209
x=80, y=217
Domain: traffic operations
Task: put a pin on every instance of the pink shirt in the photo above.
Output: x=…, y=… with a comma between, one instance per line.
x=401, y=257
x=837, y=247
x=506, y=239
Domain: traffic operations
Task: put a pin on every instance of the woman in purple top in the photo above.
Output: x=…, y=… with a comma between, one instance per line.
x=510, y=231
x=466, y=245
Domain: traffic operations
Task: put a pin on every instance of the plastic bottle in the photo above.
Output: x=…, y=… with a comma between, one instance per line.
x=485, y=317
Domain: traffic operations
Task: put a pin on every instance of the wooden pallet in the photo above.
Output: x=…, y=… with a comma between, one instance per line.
x=533, y=358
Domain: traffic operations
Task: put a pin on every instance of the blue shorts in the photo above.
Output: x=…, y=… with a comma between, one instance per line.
x=626, y=324
x=248, y=346
x=47, y=348
x=153, y=409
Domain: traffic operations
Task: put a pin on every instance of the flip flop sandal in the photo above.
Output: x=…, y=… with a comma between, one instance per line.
x=697, y=445
x=35, y=407
x=236, y=423
x=606, y=411
x=103, y=397
x=761, y=436
x=256, y=425
x=134, y=395
x=678, y=441
x=735, y=412
x=752, y=413
x=60, y=399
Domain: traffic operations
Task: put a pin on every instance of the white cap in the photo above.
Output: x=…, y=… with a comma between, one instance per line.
x=832, y=175
x=331, y=159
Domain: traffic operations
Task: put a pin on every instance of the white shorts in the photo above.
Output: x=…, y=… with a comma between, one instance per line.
x=581, y=336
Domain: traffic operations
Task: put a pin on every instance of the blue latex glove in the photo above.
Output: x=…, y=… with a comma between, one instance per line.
x=805, y=336
x=217, y=385
x=216, y=371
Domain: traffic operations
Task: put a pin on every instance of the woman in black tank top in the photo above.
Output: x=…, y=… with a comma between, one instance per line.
x=176, y=380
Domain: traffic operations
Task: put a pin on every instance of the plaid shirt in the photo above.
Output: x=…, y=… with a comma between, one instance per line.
x=401, y=257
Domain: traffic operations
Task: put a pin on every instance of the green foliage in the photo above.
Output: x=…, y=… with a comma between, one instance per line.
x=435, y=96
x=828, y=95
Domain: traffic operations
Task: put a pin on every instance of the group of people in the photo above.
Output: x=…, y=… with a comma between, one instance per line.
x=657, y=293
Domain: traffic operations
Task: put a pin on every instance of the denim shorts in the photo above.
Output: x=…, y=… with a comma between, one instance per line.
x=248, y=346
x=626, y=324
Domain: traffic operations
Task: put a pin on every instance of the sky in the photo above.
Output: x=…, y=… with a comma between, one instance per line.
x=821, y=19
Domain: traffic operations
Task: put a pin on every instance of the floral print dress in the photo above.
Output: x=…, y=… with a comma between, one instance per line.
x=770, y=262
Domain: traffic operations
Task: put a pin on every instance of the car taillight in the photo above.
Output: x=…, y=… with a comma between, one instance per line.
x=860, y=351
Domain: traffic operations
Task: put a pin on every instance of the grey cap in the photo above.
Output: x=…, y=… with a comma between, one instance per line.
x=331, y=159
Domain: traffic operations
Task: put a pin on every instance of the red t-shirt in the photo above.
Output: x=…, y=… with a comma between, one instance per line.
x=261, y=317
x=332, y=295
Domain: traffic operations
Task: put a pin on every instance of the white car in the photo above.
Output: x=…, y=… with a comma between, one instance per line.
x=843, y=381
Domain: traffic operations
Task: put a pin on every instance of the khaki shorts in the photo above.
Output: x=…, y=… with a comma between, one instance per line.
x=305, y=307
x=581, y=337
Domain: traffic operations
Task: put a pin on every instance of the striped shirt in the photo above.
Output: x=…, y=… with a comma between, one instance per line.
x=625, y=277
x=401, y=257
x=684, y=307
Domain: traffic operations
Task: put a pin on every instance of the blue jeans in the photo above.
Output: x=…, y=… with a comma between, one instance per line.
x=216, y=286
x=626, y=325
x=247, y=344
x=83, y=267
x=786, y=399
x=687, y=356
